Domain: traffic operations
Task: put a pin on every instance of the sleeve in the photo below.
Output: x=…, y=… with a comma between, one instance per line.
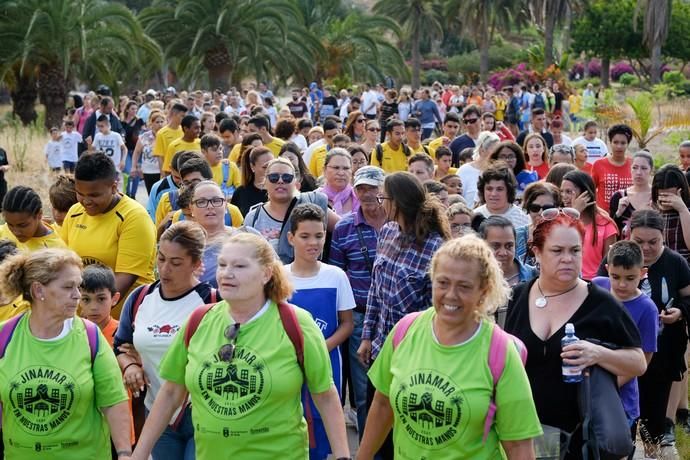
x=169, y=153
x=234, y=155
x=374, y=158
x=250, y=218
x=174, y=363
x=346, y=300
x=107, y=378
x=611, y=229
x=121, y=139
x=317, y=363
x=136, y=246
x=235, y=175
x=336, y=255
x=125, y=329
x=517, y=418
x=235, y=216
x=648, y=324
x=619, y=327
x=163, y=208
x=159, y=147
x=603, y=147
x=313, y=164
x=595, y=173
x=380, y=372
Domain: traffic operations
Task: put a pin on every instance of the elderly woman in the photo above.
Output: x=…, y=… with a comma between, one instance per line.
x=236, y=359
x=469, y=172
x=60, y=384
x=467, y=286
x=338, y=187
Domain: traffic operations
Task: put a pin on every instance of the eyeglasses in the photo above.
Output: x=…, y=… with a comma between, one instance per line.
x=551, y=214
x=227, y=351
x=507, y=157
x=215, y=202
x=360, y=120
x=381, y=198
x=340, y=168
x=535, y=208
x=470, y=121
x=374, y=130
x=286, y=178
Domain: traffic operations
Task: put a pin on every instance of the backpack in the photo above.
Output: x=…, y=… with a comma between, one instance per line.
x=497, y=358
x=539, y=102
x=294, y=332
x=406, y=151
x=228, y=190
x=10, y=326
x=143, y=292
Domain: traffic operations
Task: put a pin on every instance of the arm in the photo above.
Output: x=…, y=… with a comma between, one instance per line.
x=333, y=219
x=328, y=404
x=170, y=397
x=136, y=170
x=345, y=327
x=607, y=243
x=124, y=281
x=685, y=224
x=519, y=450
x=623, y=380
x=622, y=362
x=379, y=423
x=118, y=421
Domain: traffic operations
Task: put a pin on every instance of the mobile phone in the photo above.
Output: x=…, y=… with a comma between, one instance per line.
x=669, y=304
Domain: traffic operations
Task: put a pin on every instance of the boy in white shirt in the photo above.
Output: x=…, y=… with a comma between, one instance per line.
x=70, y=140
x=109, y=142
x=596, y=148
x=53, y=151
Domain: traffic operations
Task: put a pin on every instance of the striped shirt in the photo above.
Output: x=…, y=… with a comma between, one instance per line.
x=400, y=282
x=347, y=254
x=673, y=234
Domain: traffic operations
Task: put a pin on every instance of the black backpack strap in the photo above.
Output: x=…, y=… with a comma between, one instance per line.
x=379, y=154
x=364, y=249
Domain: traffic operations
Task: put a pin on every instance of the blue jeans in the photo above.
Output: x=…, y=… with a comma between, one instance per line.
x=426, y=133
x=358, y=372
x=133, y=182
x=176, y=444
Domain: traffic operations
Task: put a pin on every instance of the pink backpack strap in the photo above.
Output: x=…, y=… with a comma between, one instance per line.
x=7, y=332
x=403, y=326
x=92, y=336
x=214, y=295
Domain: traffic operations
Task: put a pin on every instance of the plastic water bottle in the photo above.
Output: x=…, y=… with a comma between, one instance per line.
x=571, y=374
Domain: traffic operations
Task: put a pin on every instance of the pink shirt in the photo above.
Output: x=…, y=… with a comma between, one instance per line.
x=593, y=253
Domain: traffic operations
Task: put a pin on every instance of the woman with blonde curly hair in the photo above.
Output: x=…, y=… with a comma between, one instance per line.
x=437, y=363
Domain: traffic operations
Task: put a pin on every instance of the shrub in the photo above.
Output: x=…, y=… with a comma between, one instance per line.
x=512, y=76
x=468, y=63
x=619, y=69
x=579, y=69
x=430, y=76
x=628, y=79
x=673, y=77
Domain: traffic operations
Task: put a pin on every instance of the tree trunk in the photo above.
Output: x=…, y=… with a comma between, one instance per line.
x=484, y=60
x=416, y=60
x=585, y=72
x=605, y=70
x=218, y=63
x=52, y=91
x=549, y=27
x=655, y=64
x=566, y=38
x=24, y=98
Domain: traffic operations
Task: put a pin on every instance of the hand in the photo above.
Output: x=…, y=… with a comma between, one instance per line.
x=88, y=140
x=129, y=350
x=622, y=205
x=581, y=354
x=198, y=273
x=670, y=316
x=135, y=379
x=121, y=166
x=167, y=219
x=671, y=200
x=445, y=141
x=136, y=172
x=582, y=202
x=364, y=353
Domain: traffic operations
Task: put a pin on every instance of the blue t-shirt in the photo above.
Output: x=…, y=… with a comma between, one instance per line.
x=524, y=178
x=645, y=315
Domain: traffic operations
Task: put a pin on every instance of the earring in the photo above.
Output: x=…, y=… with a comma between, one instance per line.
x=43, y=298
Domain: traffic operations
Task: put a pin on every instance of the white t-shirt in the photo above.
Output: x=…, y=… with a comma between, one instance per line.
x=369, y=101
x=514, y=214
x=110, y=144
x=149, y=163
x=469, y=175
x=596, y=148
x=70, y=143
x=300, y=141
x=53, y=151
x=565, y=140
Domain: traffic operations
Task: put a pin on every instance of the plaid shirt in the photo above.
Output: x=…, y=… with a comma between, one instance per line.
x=673, y=234
x=400, y=283
x=346, y=253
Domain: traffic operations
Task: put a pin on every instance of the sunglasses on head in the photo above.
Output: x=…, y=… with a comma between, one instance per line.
x=274, y=178
x=539, y=207
x=227, y=351
x=552, y=213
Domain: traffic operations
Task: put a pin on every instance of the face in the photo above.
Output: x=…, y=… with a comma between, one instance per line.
x=619, y=144
x=395, y=136
x=259, y=167
x=460, y=224
x=293, y=159
x=338, y=172
x=444, y=162
x=213, y=154
x=556, y=131
x=414, y=134
x=373, y=131
x=23, y=225
x=488, y=123
x=508, y=156
x=103, y=127
x=539, y=204
x=358, y=160
x=209, y=216
x=359, y=125
x=191, y=179
x=157, y=124
x=58, y=216
x=624, y=281
x=420, y=169
x=457, y=291
x=538, y=122
x=496, y=196
x=295, y=95
x=684, y=155
x=591, y=133
x=471, y=122
x=454, y=186
x=209, y=124
x=315, y=136
x=194, y=130
x=450, y=129
x=560, y=157
x=651, y=241
x=96, y=306
x=561, y=256
x=330, y=134
x=535, y=151
x=175, y=265
x=108, y=109
x=96, y=196
x=641, y=171
x=240, y=276
x=281, y=191
x=308, y=240
x=666, y=192
x=62, y=294
x=569, y=192
x=366, y=194
x=580, y=154
x=502, y=243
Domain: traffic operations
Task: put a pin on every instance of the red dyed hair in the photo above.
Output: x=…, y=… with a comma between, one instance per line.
x=544, y=228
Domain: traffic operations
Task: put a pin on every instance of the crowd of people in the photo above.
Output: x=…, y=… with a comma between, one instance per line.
x=342, y=259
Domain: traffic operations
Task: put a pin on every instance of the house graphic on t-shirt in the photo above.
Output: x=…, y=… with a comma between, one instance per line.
x=426, y=412
x=41, y=403
x=230, y=384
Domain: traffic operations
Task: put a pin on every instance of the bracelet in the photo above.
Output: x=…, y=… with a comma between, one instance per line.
x=124, y=453
x=130, y=364
x=344, y=458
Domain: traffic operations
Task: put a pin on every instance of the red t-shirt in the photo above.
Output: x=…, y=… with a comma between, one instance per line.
x=587, y=168
x=542, y=170
x=609, y=178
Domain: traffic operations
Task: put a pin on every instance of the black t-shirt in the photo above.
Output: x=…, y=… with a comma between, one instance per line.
x=297, y=109
x=132, y=130
x=548, y=137
x=599, y=317
x=673, y=270
x=247, y=196
x=3, y=162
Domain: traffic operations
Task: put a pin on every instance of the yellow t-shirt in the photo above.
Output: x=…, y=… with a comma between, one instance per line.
x=420, y=149
x=163, y=139
x=14, y=308
x=575, y=103
x=234, y=154
x=51, y=240
x=275, y=145
x=392, y=160
x=123, y=239
x=317, y=161
x=236, y=218
x=433, y=145
x=164, y=207
x=179, y=145
x=234, y=176
x=451, y=172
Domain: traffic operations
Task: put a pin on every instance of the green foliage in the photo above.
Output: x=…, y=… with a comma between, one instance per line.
x=430, y=76
x=629, y=80
x=673, y=77
x=468, y=63
x=674, y=138
x=581, y=84
x=677, y=44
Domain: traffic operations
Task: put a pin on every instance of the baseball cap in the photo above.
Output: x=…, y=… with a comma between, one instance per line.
x=370, y=175
x=151, y=92
x=170, y=89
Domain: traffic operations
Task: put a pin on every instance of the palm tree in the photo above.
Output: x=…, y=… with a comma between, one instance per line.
x=228, y=38
x=420, y=19
x=57, y=40
x=549, y=14
x=657, y=16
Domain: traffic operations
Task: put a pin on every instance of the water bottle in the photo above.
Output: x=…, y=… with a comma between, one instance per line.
x=571, y=374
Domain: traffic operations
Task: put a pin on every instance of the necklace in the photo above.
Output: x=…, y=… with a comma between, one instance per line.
x=543, y=300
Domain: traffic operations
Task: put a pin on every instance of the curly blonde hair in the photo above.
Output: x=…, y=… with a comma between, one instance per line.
x=472, y=248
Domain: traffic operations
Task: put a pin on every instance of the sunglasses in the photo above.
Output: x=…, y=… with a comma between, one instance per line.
x=470, y=121
x=361, y=120
x=551, y=214
x=374, y=130
x=227, y=351
x=535, y=208
x=286, y=178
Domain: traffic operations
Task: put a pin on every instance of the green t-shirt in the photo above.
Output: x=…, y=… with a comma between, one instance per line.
x=440, y=395
x=251, y=407
x=51, y=396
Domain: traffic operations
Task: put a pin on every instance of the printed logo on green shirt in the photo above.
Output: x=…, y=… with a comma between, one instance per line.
x=431, y=407
x=233, y=390
x=42, y=399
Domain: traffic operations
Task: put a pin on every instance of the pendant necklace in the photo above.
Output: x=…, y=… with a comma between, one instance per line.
x=543, y=300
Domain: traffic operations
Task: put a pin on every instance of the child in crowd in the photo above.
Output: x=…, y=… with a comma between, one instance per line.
x=10, y=308
x=324, y=291
x=453, y=183
x=225, y=172
x=684, y=156
x=22, y=211
x=109, y=142
x=53, y=151
x=70, y=140
x=466, y=155
x=596, y=148
x=62, y=196
x=581, y=156
x=626, y=268
x=98, y=296
x=443, y=160
x=536, y=150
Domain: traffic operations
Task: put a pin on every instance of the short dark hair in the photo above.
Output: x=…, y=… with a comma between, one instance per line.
x=428, y=162
x=500, y=173
x=471, y=109
x=466, y=154
x=188, y=120
x=181, y=157
x=96, y=277
x=95, y=166
x=209, y=140
x=330, y=124
x=412, y=123
x=199, y=165
x=304, y=123
x=442, y=151
x=285, y=129
x=625, y=130
x=434, y=186
x=259, y=121
x=538, y=111
x=495, y=221
x=306, y=212
x=390, y=124
x=102, y=118
x=177, y=107
x=625, y=253
x=62, y=194
x=228, y=124
x=451, y=116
